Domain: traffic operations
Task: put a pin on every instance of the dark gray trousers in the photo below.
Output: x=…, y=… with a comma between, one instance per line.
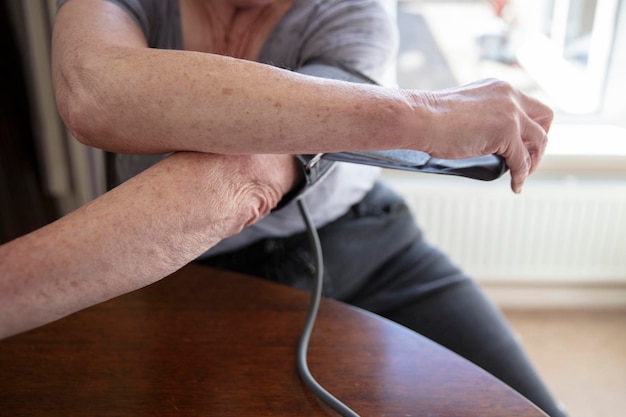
x=376, y=258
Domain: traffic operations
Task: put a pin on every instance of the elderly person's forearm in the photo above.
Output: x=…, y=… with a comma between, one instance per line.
x=117, y=94
x=134, y=235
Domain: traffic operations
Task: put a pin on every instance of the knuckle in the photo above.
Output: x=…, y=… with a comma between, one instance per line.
x=549, y=117
x=501, y=85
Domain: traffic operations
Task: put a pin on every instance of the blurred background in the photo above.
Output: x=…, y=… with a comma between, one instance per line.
x=553, y=258
x=569, y=225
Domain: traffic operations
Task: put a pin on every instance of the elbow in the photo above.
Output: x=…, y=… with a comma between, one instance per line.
x=255, y=204
x=79, y=108
x=274, y=177
x=255, y=201
x=261, y=205
x=73, y=115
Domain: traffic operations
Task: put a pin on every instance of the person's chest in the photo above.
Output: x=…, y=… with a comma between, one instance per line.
x=216, y=27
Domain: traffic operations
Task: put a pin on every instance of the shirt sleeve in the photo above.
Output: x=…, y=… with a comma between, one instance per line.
x=134, y=8
x=357, y=34
x=158, y=19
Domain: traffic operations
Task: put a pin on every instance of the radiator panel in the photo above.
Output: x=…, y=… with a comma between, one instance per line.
x=557, y=231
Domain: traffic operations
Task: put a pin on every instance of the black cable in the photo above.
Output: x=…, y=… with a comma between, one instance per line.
x=316, y=295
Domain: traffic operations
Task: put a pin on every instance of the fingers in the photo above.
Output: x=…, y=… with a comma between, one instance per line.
x=519, y=164
x=526, y=151
x=537, y=111
x=535, y=140
x=525, y=125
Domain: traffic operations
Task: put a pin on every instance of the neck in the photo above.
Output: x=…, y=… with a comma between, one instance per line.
x=229, y=28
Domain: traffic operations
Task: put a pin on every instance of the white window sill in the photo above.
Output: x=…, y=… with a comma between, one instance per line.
x=585, y=149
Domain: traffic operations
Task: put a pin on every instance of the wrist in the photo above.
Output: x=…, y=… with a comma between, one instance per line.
x=418, y=124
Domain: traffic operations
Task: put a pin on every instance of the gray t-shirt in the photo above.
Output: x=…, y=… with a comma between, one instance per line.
x=357, y=34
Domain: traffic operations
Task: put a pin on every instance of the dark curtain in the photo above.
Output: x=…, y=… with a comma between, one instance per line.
x=24, y=205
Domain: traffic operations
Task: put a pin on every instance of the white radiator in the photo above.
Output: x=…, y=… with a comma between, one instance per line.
x=559, y=233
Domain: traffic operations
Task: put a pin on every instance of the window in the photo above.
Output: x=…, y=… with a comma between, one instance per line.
x=566, y=46
x=568, y=53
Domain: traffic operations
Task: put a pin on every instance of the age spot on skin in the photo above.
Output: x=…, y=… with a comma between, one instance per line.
x=227, y=91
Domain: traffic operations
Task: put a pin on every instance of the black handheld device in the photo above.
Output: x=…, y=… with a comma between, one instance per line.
x=485, y=168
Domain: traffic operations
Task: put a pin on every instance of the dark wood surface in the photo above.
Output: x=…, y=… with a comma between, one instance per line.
x=209, y=343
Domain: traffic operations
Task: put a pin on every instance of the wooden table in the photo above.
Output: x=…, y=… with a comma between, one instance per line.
x=209, y=343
